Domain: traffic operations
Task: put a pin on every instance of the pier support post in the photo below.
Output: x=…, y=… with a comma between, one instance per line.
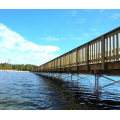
x=97, y=81
x=71, y=76
x=68, y=77
x=78, y=76
x=60, y=77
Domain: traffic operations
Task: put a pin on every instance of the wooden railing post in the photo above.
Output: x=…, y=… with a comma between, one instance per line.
x=69, y=61
x=60, y=64
x=56, y=63
x=51, y=65
x=76, y=58
x=63, y=61
x=117, y=42
x=87, y=57
x=103, y=52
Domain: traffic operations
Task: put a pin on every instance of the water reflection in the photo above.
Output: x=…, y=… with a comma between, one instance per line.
x=27, y=91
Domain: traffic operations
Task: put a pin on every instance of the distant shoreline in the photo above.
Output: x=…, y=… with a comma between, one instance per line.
x=14, y=71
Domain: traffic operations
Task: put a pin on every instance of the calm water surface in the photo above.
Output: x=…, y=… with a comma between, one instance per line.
x=28, y=91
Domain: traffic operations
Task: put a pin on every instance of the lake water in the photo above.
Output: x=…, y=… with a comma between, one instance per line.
x=28, y=91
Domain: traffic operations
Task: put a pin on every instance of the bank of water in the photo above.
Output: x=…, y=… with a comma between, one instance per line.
x=27, y=91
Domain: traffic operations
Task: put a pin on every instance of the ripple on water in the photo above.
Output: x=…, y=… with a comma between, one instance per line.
x=27, y=91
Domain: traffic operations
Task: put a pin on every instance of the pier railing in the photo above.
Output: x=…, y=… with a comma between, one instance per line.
x=93, y=55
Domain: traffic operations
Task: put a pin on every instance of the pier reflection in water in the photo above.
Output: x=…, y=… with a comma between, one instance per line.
x=27, y=91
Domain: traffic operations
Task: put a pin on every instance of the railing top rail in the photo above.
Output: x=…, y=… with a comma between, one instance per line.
x=83, y=44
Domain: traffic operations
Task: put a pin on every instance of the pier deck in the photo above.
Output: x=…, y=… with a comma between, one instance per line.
x=99, y=56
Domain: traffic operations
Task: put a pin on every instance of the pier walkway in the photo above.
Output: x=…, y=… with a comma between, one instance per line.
x=100, y=56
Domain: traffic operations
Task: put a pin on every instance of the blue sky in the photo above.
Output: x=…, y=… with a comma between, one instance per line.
x=35, y=36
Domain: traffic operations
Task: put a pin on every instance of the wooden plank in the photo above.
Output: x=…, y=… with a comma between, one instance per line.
x=87, y=57
x=113, y=65
x=113, y=33
x=59, y=63
x=56, y=63
x=51, y=65
x=99, y=59
x=82, y=54
x=113, y=57
x=110, y=45
x=106, y=47
x=113, y=45
x=69, y=61
x=94, y=50
x=90, y=52
x=76, y=58
x=81, y=62
x=117, y=42
x=103, y=52
x=97, y=40
x=99, y=49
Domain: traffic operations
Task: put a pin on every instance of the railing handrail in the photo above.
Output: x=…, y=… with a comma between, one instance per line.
x=82, y=45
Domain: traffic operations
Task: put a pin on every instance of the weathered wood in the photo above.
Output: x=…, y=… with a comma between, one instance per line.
x=94, y=50
x=113, y=33
x=76, y=58
x=69, y=61
x=98, y=54
x=59, y=63
x=114, y=45
x=56, y=63
x=99, y=49
x=97, y=40
x=110, y=46
x=87, y=57
x=117, y=42
x=103, y=52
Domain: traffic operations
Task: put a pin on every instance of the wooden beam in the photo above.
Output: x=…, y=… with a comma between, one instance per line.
x=69, y=61
x=87, y=56
x=103, y=52
x=76, y=59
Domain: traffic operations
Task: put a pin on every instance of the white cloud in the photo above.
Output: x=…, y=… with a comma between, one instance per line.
x=15, y=47
x=86, y=35
x=77, y=38
x=72, y=37
x=115, y=16
x=80, y=21
x=50, y=38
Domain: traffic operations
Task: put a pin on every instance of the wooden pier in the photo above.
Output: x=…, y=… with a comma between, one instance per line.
x=99, y=56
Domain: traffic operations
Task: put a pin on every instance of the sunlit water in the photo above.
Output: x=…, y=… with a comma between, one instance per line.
x=28, y=91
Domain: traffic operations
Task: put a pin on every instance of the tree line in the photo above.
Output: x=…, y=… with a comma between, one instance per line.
x=20, y=67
